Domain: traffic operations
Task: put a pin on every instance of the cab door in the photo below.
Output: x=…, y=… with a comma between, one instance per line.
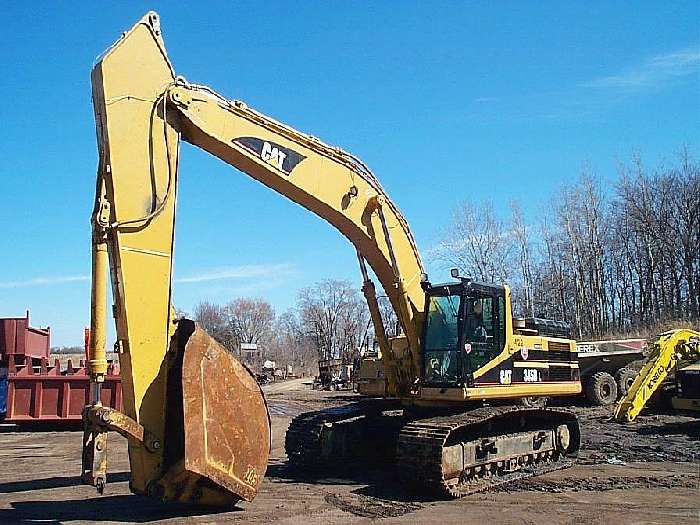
x=484, y=330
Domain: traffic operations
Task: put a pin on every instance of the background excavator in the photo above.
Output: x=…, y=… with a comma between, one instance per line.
x=675, y=351
x=196, y=421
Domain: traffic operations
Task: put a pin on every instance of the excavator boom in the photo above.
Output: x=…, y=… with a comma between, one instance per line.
x=671, y=350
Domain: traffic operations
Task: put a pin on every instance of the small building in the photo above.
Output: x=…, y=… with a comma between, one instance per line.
x=249, y=352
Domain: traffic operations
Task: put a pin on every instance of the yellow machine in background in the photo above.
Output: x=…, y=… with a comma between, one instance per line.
x=673, y=351
x=193, y=414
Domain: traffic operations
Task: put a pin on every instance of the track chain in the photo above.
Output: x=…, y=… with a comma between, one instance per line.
x=421, y=443
x=304, y=441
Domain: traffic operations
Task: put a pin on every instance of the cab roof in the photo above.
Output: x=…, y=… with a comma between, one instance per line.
x=464, y=287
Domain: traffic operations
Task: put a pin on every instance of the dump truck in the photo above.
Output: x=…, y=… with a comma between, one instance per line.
x=333, y=374
x=606, y=371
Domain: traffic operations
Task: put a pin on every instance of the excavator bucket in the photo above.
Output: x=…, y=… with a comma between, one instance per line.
x=216, y=438
x=217, y=425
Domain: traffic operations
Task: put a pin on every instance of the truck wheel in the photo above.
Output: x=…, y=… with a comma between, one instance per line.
x=534, y=402
x=624, y=378
x=601, y=389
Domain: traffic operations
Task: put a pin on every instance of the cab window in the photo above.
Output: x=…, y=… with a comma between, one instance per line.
x=441, y=355
x=480, y=333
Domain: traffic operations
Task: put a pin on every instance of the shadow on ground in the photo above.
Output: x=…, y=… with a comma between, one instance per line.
x=41, y=426
x=685, y=428
x=374, y=492
x=377, y=481
x=53, y=483
x=121, y=508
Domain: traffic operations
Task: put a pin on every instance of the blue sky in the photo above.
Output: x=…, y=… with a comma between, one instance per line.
x=445, y=101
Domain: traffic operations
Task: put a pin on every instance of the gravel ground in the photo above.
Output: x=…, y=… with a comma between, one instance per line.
x=646, y=472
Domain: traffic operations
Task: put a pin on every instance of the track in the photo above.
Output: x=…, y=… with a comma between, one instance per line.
x=338, y=435
x=453, y=456
x=450, y=456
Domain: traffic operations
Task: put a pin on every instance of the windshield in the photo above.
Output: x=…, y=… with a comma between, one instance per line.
x=441, y=332
x=442, y=364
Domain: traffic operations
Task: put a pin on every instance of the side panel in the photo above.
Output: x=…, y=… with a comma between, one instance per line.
x=535, y=360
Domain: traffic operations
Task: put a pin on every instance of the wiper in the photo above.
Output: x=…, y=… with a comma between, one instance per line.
x=452, y=306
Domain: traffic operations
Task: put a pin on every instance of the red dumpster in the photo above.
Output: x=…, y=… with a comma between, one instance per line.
x=37, y=391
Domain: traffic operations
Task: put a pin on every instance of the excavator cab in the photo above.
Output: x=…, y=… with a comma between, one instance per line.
x=464, y=329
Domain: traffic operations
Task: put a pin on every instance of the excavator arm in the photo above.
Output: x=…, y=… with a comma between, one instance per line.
x=325, y=180
x=193, y=414
x=671, y=350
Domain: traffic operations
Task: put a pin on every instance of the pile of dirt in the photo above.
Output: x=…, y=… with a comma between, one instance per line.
x=597, y=484
x=652, y=437
x=369, y=507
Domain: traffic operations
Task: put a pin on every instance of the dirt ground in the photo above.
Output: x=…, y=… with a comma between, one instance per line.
x=647, y=472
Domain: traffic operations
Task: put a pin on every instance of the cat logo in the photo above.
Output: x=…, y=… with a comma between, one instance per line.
x=273, y=155
x=281, y=158
x=506, y=377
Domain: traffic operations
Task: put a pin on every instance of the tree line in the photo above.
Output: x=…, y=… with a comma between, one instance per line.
x=329, y=321
x=610, y=259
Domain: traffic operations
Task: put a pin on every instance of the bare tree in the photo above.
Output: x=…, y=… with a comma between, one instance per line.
x=686, y=222
x=521, y=237
x=292, y=345
x=243, y=320
x=581, y=218
x=660, y=214
x=623, y=261
x=392, y=327
x=335, y=315
x=250, y=320
x=214, y=320
x=552, y=285
x=478, y=243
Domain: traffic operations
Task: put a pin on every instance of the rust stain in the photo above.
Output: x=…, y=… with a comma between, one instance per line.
x=227, y=428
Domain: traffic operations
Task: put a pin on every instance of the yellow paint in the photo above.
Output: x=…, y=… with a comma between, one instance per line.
x=671, y=350
x=511, y=391
x=133, y=88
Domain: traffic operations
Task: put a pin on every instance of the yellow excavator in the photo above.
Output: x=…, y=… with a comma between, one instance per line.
x=675, y=351
x=196, y=421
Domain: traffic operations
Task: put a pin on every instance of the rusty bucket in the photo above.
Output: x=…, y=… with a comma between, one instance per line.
x=217, y=424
